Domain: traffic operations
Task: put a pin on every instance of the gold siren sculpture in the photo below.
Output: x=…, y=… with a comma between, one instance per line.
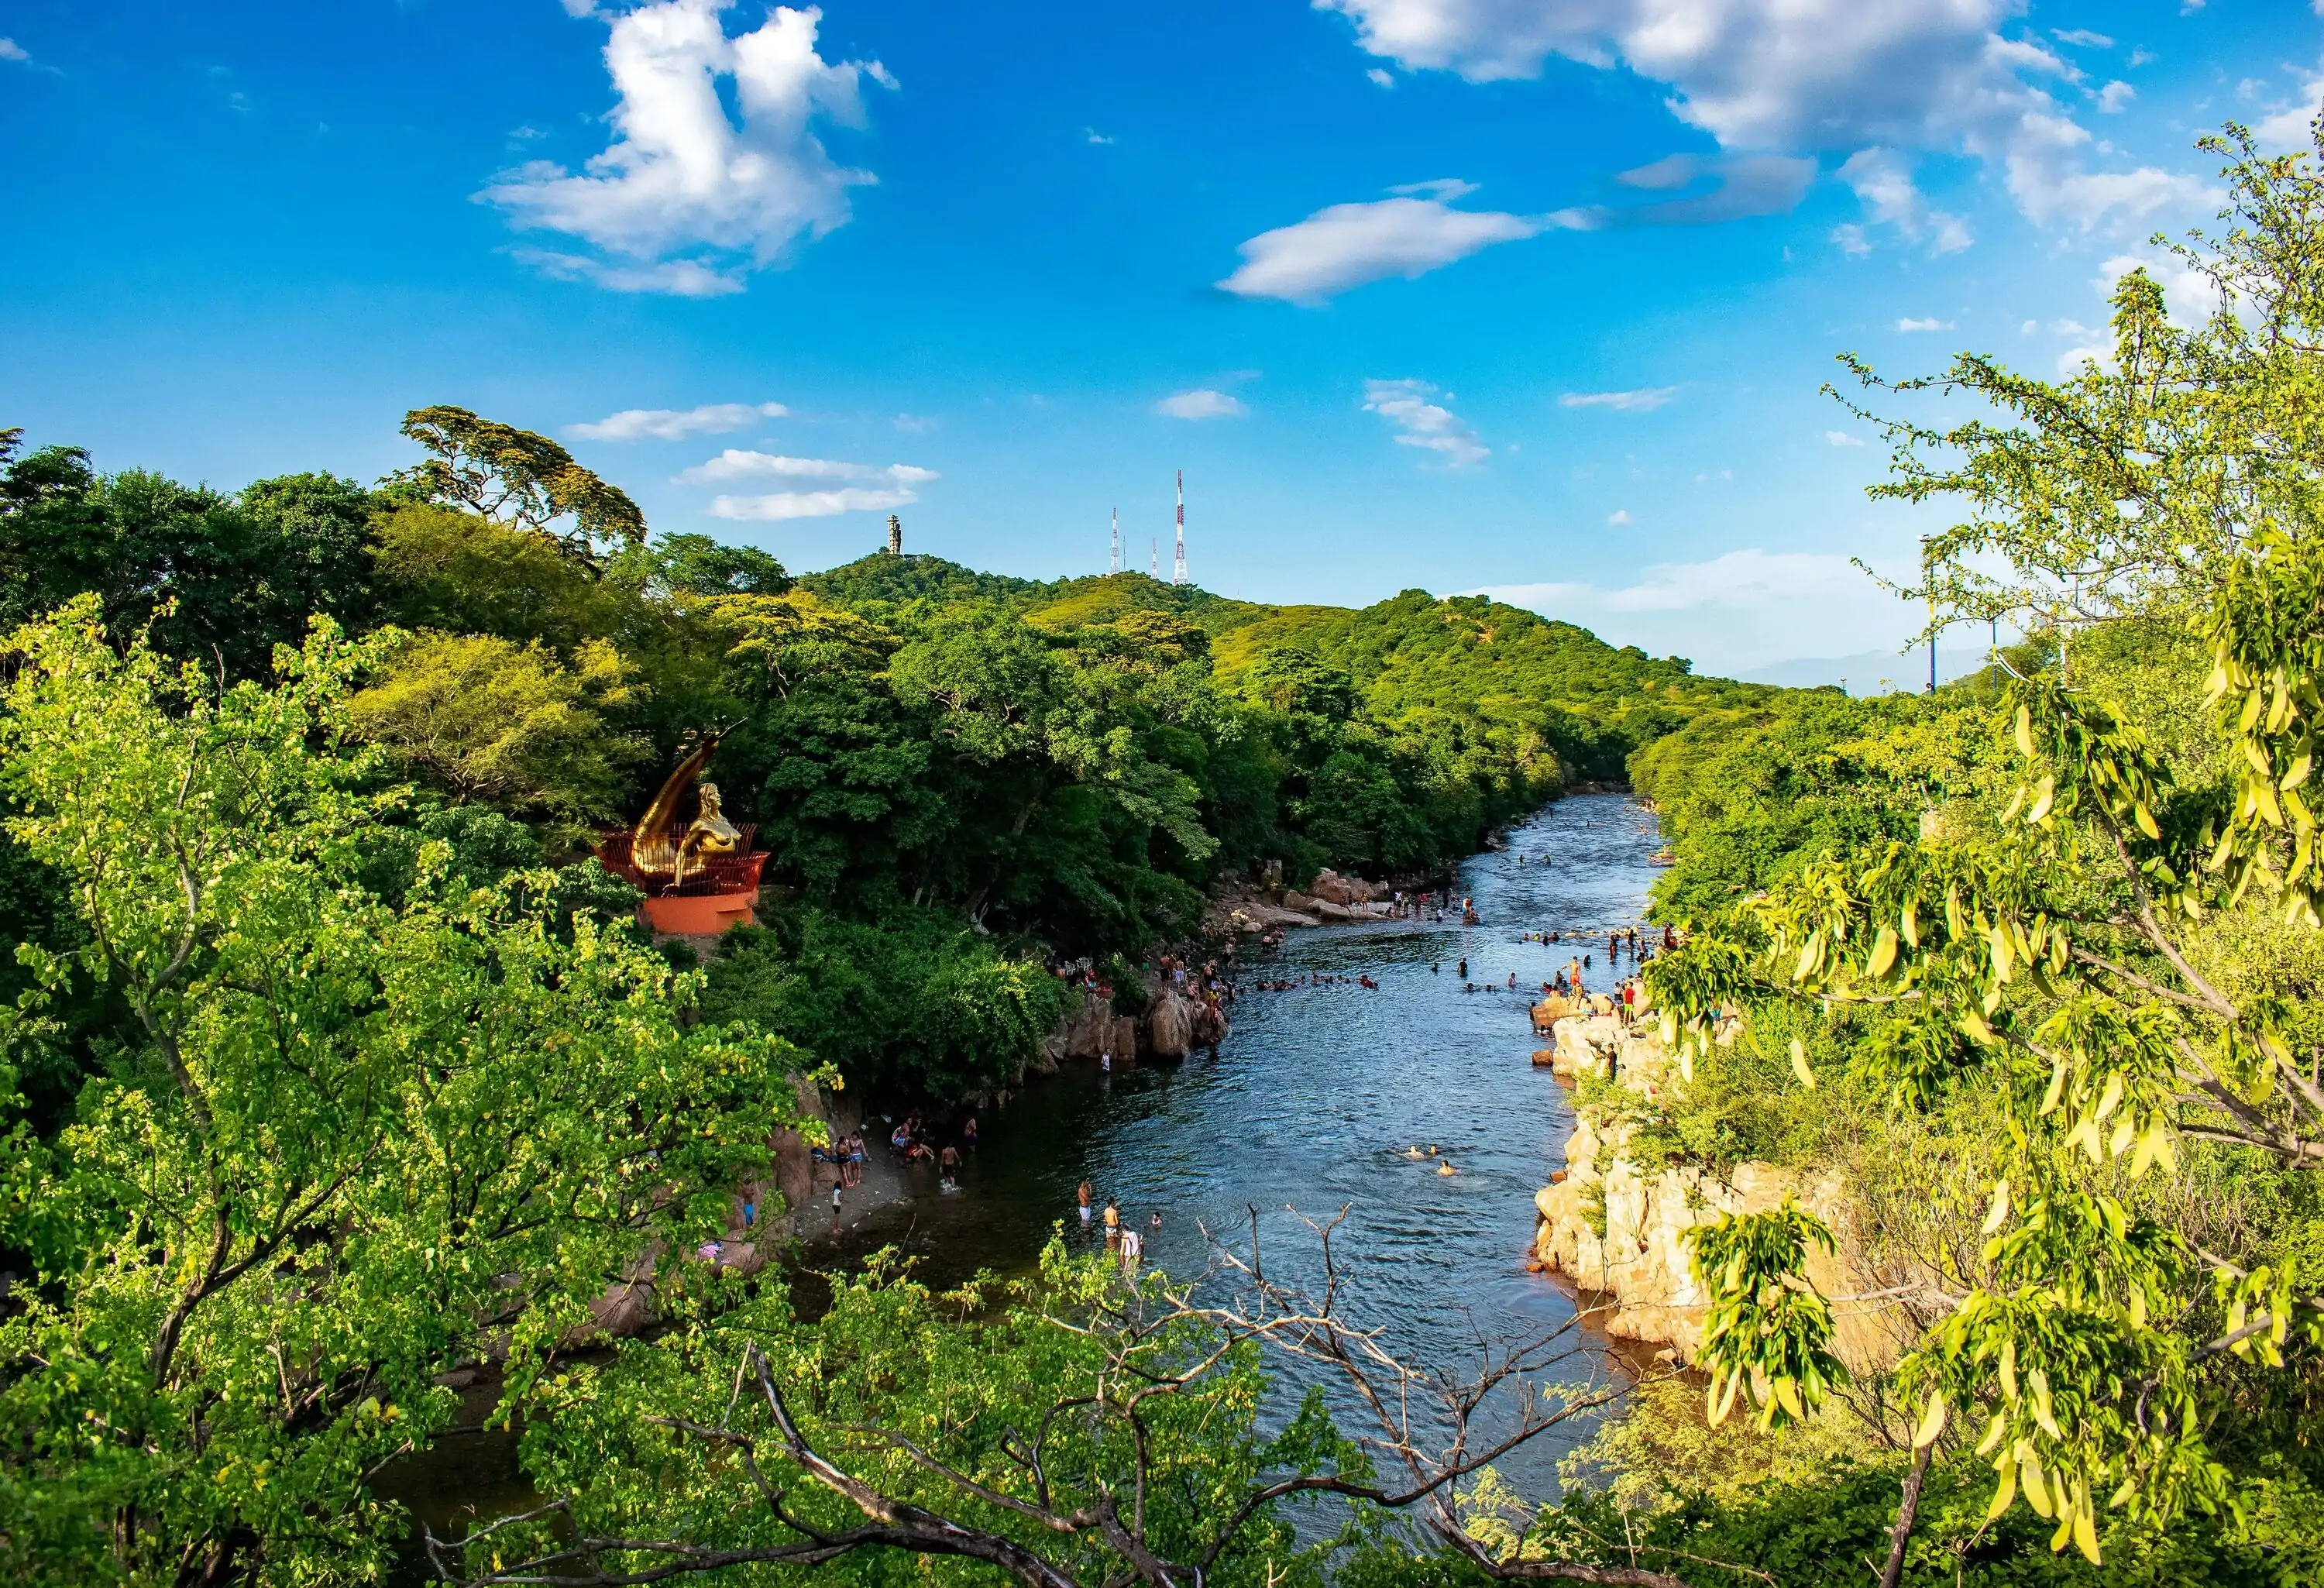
x=697, y=877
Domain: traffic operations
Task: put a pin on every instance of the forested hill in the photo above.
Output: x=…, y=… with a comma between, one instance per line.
x=1411, y=655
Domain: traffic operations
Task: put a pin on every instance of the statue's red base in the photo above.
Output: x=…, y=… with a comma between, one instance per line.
x=693, y=914
x=717, y=896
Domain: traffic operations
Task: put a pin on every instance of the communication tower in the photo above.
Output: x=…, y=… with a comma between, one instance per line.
x=1154, y=559
x=1117, y=542
x=1178, y=567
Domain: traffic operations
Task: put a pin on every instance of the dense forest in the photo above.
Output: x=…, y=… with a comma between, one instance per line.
x=337, y=1075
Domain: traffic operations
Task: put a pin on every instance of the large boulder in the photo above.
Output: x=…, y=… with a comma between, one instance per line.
x=1334, y=888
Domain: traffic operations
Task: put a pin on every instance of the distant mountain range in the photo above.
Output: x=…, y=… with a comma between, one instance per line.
x=1870, y=672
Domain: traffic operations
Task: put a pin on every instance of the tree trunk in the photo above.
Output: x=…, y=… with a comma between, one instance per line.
x=1907, y=1510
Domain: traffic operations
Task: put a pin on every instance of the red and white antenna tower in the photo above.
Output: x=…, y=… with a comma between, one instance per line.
x=1178, y=567
x=1117, y=542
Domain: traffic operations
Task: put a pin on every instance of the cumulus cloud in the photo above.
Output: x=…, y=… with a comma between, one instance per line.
x=1348, y=245
x=1799, y=76
x=2082, y=38
x=1731, y=188
x=1643, y=400
x=2051, y=186
x=685, y=199
x=1729, y=612
x=735, y=464
x=1202, y=402
x=1930, y=323
x=1417, y=229
x=1842, y=438
x=1734, y=579
x=1618, y=518
x=778, y=506
x=674, y=424
x=2115, y=97
x=2286, y=128
x=1423, y=423
x=1882, y=180
x=12, y=51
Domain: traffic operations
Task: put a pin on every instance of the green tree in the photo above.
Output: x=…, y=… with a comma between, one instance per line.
x=517, y=477
x=2108, y=961
x=507, y=725
x=346, y=1146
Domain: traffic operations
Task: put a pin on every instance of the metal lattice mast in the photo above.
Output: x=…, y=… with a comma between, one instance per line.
x=1178, y=566
x=1154, y=558
x=1117, y=542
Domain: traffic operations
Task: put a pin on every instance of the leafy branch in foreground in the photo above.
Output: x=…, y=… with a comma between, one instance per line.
x=2062, y=959
x=1071, y=1429
x=353, y=1145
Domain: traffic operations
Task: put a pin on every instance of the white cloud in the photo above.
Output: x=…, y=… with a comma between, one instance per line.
x=1644, y=399
x=1202, y=403
x=1094, y=136
x=2286, y=128
x=1732, y=580
x=1385, y=79
x=1729, y=612
x=1882, y=180
x=12, y=51
x=684, y=201
x=1842, y=438
x=676, y=277
x=1930, y=323
x=1739, y=186
x=2115, y=97
x=2050, y=185
x=1349, y=245
x=2187, y=292
x=1417, y=229
x=674, y=424
x=787, y=504
x=1420, y=422
x=1797, y=75
x=914, y=424
x=735, y=463
x=2081, y=38
x=1618, y=518
x=1851, y=238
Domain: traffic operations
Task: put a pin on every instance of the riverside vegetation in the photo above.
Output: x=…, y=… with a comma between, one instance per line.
x=333, y=1067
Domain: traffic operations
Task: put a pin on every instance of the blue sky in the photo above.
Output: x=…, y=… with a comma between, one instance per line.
x=1534, y=296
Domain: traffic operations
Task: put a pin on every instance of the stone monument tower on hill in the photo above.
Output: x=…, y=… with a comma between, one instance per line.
x=895, y=536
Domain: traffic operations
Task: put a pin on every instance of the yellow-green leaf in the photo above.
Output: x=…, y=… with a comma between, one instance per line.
x=1933, y=1422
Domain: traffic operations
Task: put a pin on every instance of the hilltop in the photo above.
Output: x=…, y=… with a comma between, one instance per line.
x=1414, y=659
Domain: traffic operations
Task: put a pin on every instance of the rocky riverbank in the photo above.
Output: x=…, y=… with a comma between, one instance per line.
x=1616, y=1227
x=1243, y=908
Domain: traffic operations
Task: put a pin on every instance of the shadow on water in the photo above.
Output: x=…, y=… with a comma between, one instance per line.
x=1312, y=1104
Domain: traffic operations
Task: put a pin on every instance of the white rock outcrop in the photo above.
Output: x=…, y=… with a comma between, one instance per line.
x=1620, y=1233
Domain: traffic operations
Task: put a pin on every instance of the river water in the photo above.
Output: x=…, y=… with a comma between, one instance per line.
x=1313, y=1103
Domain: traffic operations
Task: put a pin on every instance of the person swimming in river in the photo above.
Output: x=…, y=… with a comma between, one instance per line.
x=1462, y=969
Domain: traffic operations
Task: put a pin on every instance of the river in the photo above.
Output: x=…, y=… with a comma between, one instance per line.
x=1312, y=1104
